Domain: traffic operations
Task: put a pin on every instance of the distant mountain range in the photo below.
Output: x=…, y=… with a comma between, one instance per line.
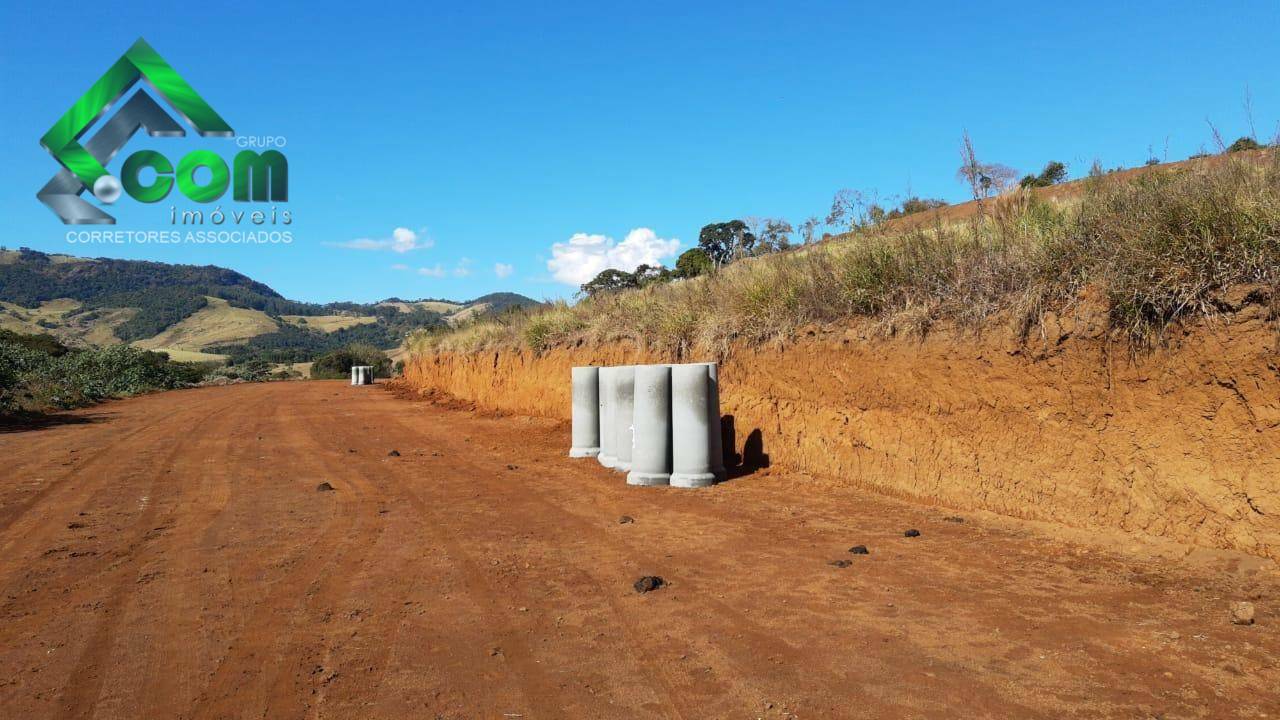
x=204, y=312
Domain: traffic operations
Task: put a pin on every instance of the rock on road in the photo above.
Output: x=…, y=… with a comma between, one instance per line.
x=169, y=556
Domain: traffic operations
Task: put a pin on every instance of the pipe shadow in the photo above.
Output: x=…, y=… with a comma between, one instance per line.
x=752, y=458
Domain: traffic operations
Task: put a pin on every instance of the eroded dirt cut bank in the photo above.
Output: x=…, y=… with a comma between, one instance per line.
x=1183, y=443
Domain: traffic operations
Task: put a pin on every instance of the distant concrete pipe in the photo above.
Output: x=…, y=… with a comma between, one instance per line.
x=364, y=374
x=623, y=416
x=651, y=448
x=355, y=370
x=608, y=401
x=586, y=412
x=691, y=458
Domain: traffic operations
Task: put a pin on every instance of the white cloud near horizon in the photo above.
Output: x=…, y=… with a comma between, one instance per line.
x=584, y=256
x=402, y=240
x=503, y=270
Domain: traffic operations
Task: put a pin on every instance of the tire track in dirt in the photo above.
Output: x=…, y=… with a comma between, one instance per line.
x=176, y=598
x=84, y=686
x=283, y=611
x=671, y=700
x=97, y=457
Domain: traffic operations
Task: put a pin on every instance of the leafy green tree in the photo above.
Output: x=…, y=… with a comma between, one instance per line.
x=722, y=242
x=693, y=262
x=1053, y=173
x=609, y=280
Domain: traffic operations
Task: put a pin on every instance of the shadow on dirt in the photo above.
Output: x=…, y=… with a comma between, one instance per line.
x=25, y=422
x=752, y=458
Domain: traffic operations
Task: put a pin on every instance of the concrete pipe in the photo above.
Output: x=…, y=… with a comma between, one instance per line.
x=608, y=400
x=691, y=462
x=623, y=416
x=354, y=371
x=713, y=424
x=651, y=448
x=586, y=412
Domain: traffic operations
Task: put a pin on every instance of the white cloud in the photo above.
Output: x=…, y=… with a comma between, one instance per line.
x=503, y=270
x=463, y=268
x=584, y=256
x=402, y=240
x=437, y=271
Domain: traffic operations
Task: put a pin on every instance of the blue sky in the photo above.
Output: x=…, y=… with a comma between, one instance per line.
x=492, y=132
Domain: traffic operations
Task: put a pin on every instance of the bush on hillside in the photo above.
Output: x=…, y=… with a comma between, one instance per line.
x=693, y=262
x=1053, y=173
x=1245, y=143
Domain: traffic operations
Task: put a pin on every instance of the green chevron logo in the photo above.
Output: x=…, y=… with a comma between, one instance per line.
x=257, y=177
x=140, y=62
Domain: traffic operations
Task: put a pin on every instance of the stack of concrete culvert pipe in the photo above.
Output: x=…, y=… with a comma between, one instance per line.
x=660, y=424
x=361, y=374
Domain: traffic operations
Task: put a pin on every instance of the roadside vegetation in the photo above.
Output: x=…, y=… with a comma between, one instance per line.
x=337, y=364
x=1156, y=245
x=37, y=373
x=40, y=374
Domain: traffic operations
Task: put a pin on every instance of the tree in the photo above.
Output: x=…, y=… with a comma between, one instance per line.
x=984, y=179
x=775, y=237
x=1053, y=173
x=809, y=228
x=609, y=280
x=693, y=262
x=848, y=209
x=646, y=275
x=723, y=241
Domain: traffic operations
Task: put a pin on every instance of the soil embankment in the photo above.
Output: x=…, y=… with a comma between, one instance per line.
x=1182, y=443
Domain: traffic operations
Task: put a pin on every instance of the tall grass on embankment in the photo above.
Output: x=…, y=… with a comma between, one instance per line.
x=1155, y=247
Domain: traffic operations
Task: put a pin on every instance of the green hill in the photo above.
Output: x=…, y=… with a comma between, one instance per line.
x=190, y=309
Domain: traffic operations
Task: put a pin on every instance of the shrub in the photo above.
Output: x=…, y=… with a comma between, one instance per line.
x=693, y=262
x=337, y=364
x=1244, y=143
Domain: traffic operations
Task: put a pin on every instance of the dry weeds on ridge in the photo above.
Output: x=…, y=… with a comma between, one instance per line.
x=1157, y=246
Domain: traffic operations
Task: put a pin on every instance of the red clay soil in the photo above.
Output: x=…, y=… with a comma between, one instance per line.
x=1181, y=444
x=170, y=557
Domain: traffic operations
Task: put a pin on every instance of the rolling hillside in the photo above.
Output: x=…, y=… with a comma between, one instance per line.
x=203, y=313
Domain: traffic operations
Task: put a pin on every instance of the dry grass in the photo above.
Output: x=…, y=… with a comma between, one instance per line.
x=1158, y=246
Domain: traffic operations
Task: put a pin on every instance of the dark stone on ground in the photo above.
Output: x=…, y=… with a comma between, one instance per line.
x=859, y=550
x=512, y=467
x=324, y=487
x=953, y=518
x=625, y=520
x=75, y=525
x=841, y=563
x=911, y=533
x=649, y=583
x=394, y=453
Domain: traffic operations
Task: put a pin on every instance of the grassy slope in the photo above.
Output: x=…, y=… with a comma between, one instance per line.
x=218, y=323
x=1153, y=245
x=328, y=323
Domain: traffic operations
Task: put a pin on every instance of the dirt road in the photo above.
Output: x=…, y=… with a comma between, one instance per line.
x=170, y=557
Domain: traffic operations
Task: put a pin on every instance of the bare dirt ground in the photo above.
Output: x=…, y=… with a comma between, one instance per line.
x=170, y=557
